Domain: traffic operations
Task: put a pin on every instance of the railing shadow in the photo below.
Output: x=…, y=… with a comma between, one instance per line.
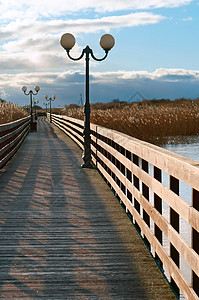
x=57, y=238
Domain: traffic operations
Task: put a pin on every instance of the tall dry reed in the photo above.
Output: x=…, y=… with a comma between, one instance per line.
x=151, y=121
x=11, y=112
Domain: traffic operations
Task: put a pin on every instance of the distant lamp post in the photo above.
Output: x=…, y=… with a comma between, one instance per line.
x=106, y=42
x=24, y=89
x=50, y=99
x=36, y=102
x=46, y=104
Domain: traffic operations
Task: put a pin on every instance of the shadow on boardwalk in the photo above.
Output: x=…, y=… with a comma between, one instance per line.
x=62, y=233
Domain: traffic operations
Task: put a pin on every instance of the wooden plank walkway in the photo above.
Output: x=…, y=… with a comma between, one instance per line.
x=63, y=235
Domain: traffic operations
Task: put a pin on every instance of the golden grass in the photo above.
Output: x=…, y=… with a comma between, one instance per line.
x=151, y=120
x=11, y=112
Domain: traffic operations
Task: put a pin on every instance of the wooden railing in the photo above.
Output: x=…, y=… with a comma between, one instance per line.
x=134, y=170
x=11, y=137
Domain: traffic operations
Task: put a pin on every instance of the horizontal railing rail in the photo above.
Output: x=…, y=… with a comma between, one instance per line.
x=135, y=171
x=11, y=137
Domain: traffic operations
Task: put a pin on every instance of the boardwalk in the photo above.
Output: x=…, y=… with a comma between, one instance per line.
x=63, y=235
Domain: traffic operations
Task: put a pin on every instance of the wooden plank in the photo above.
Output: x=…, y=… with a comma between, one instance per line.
x=158, y=205
x=174, y=201
x=182, y=168
x=10, y=145
x=187, y=291
x=195, y=241
x=174, y=164
x=178, y=204
x=175, y=223
x=145, y=192
x=184, y=249
x=71, y=135
x=11, y=125
x=13, y=133
x=70, y=129
x=190, y=215
x=63, y=234
x=19, y=140
x=77, y=121
x=161, y=159
x=63, y=121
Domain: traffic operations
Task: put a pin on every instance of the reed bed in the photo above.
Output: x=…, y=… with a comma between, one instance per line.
x=154, y=121
x=10, y=112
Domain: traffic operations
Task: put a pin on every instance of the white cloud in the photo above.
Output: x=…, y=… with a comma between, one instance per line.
x=31, y=9
x=113, y=5
x=30, y=36
x=3, y=94
x=187, y=19
x=33, y=30
x=167, y=75
x=175, y=74
x=37, y=46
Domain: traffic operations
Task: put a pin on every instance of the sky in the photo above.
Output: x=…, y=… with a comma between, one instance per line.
x=155, y=54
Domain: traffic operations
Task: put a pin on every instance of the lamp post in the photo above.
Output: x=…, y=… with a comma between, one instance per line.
x=24, y=89
x=50, y=99
x=35, y=102
x=106, y=42
x=46, y=103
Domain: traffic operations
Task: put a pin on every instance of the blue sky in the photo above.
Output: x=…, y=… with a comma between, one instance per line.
x=155, y=53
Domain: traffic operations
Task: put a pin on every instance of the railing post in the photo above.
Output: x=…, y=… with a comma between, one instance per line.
x=145, y=193
x=174, y=221
x=137, y=185
x=158, y=206
x=195, y=240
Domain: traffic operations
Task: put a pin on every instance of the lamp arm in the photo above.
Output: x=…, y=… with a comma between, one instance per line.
x=68, y=50
x=99, y=59
x=30, y=92
x=27, y=93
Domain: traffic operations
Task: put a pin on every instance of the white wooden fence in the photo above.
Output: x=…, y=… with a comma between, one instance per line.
x=134, y=170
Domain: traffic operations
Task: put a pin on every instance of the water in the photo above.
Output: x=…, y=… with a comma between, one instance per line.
x=189, y=147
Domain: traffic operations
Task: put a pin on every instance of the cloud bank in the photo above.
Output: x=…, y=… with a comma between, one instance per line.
x=68, y=85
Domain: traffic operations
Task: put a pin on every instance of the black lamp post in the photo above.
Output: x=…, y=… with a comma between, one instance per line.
x=46, y=103
x=106, y=42
x=50, y=99
x=24, y=89
x=35, y=109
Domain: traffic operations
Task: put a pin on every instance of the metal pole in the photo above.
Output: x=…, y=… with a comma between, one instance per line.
x=86, y=133
x=31, y=116
x=35, y=108
x=50, y=111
